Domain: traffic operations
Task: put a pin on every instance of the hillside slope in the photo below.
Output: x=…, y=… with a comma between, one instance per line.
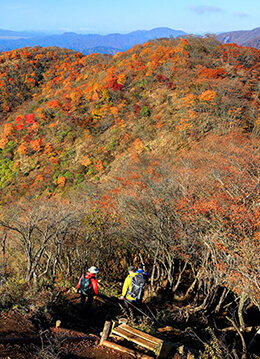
x=149, y=155
x=68, y=118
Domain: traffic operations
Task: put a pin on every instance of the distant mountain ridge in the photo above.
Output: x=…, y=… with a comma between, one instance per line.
x=13, y=35
x=249, y=38
x=111, y=43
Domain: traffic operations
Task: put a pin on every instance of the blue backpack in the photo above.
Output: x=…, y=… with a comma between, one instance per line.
x=85, y=285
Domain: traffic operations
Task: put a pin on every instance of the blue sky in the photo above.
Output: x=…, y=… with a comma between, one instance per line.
x=123, y=16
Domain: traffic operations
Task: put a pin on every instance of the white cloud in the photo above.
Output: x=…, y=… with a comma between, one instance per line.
x=67, y=29
x=240, y=14
x=205, y=9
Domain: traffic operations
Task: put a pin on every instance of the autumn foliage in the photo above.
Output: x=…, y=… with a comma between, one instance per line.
x=161, y=142
x=185, y=87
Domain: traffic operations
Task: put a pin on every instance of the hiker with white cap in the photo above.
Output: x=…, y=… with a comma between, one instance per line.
x=88, y=287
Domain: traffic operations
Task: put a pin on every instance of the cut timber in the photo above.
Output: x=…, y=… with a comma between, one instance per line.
x=139, y=333
x=158, y=346
x=58, y=323
x=122, y=349
x=136, y=339
x=166, y=329
x=106, y=332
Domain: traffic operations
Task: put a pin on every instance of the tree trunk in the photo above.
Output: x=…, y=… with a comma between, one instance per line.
x=154, y=268
x=3, y=245
x=240, y=311
x=202, y=306
x=221, y=300
x=181, y=271
x=244, y=350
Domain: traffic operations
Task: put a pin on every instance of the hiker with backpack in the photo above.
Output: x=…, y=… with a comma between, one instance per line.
x=132, y=291
x=140, y=269
x=88, y=287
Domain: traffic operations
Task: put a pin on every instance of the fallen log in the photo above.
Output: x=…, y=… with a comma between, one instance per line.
x=122, y=349
x=232, y=329
x=169, y=329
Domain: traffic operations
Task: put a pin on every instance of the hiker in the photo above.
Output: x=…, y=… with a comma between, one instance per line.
x=132, y=291
x=87, y=287
x=140, y=269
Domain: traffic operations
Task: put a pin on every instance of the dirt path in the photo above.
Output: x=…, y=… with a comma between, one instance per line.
x=73, y=324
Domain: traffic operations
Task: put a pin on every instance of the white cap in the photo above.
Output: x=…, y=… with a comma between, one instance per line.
x=93, y=270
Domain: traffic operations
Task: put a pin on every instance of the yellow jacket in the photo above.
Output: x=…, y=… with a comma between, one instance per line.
x=127, y=286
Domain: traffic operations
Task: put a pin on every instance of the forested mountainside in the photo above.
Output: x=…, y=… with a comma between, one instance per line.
x=150, y=153
x=68, y=118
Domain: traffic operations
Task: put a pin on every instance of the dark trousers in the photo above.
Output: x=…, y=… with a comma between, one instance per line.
x=83, y=300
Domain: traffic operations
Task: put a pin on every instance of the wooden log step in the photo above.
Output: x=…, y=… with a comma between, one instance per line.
x=105, y=332
x=140, y=334
x=122, y=349
x=136, y=339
